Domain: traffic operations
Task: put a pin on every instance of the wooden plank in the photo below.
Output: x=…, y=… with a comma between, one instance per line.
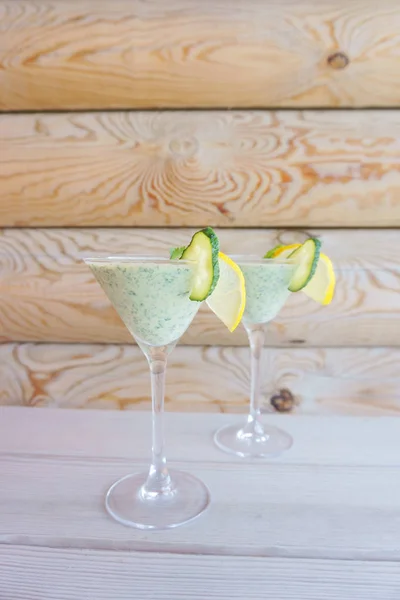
x=302, y=510
x=40, y=433
x=48, y=294
x=31, y=573
x=268, y=169
x=63, y=54
x=356, y=381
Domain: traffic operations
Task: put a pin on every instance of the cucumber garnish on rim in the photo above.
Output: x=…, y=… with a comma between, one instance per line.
x=176, y=253
x=202, y=250
x=306, y=257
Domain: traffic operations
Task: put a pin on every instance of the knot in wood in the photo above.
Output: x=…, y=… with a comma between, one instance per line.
x=338, y=60
x=283, y=401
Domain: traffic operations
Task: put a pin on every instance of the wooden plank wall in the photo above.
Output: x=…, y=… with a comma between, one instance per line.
x=240, y=168
x=81, y=54
x=140, y=178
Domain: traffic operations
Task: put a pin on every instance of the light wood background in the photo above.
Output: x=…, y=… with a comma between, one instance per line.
x=356, y=381
x=90, y=178
x=77, y=54
x=266, y=168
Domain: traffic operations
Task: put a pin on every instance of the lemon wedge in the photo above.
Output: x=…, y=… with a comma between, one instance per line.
x=282, y=251
x=321, y=288
x=228, y=300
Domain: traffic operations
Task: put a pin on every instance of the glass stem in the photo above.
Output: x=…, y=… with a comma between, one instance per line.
x=158, y=480
x=256, y=335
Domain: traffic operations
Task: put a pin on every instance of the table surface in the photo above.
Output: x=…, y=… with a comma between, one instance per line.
x=321, y=522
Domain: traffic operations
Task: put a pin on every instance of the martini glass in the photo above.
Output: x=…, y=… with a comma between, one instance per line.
x=267, y=282
x=151, y=296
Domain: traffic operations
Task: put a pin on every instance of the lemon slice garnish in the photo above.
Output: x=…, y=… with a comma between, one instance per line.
x=282, y=251
x=321, y=288
x=228, y=300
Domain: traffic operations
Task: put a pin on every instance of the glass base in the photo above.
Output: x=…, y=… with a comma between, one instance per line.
x=235, y=440
x=126, y=503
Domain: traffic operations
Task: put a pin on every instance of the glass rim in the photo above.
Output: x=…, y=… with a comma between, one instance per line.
x=250, y=258
x=133, y=258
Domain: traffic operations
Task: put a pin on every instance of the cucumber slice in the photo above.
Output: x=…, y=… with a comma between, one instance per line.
x=203, y=249
x=307, y=257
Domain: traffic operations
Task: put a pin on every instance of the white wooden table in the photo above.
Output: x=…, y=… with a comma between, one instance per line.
x=320, y=523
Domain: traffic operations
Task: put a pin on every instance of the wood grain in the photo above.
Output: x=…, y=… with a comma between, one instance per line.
x=196, y=168
x=48, y=294
x=106, y=574
x=76, y=55
x=303, y=507
x=349, y=381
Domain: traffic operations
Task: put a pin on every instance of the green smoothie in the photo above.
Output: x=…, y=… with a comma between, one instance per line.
x=152, y=298
x=266, y=289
